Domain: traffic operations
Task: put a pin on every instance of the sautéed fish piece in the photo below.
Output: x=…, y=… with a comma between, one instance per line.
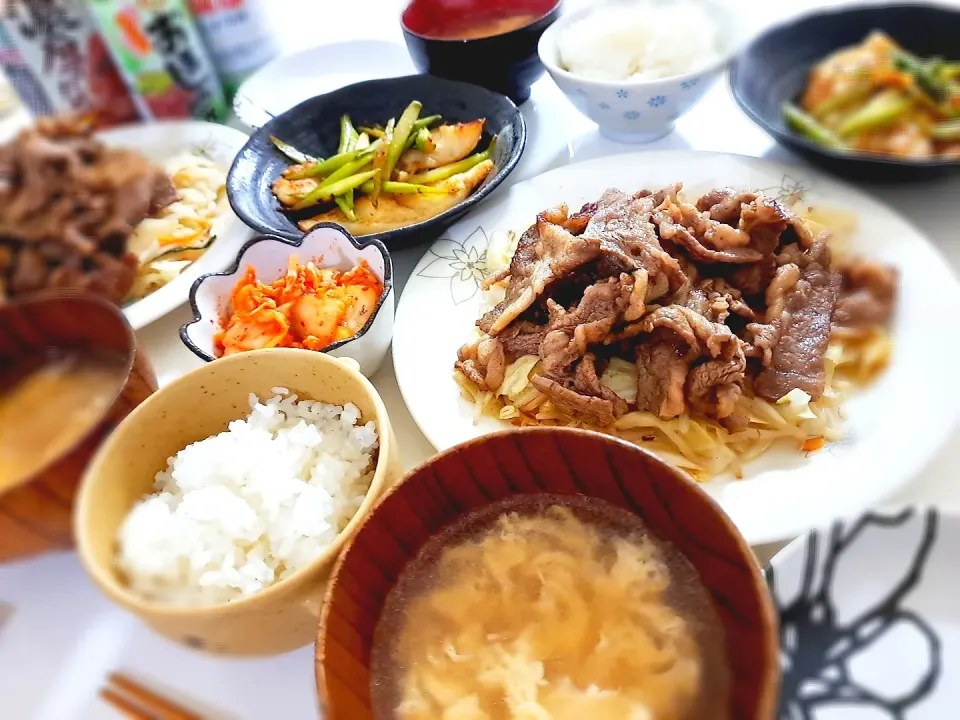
x=48, y=405
x=549, y=607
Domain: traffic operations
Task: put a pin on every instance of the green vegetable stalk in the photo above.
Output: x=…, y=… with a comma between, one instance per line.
x=326, y=193
x=448, y=171
x=345, y=203
x=947, y=131
x=330, y=165
x=808, y=126
x=881, y=110
x=380, y=161
x=348, y=135
x=402, y=188
x=291, y=152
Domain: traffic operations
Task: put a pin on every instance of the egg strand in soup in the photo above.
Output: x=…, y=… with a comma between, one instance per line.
x=48, y=404
x=549, y=608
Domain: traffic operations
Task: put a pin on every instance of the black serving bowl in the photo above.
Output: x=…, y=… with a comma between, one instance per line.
x=774, y=68
x=507, y=63
x=313, y=127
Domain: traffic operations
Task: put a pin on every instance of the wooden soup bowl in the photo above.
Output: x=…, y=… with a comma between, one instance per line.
x=200, y=404
x=36, y=513
x=544, y=460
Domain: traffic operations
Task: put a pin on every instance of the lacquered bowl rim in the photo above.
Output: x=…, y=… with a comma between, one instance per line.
x=129, y=358
x=767, y=700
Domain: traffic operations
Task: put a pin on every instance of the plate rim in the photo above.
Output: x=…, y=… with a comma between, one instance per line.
x=241, y=97
x=937, y=436
x=233, y=226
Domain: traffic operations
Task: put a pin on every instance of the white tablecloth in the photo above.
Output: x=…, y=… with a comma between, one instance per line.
x=63, y=638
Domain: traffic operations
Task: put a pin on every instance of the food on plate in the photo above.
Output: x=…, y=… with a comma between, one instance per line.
x=176, y=236
x=75, y=213
x=236, y=512
x=878, y=98
x=705, y=331
x=384, y=178
x=549, y=607
x=639, y=41
x=495, y=20
x=49, y=404
x=309, y=307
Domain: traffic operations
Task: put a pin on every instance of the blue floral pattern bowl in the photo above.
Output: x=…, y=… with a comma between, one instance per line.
x=634, y=111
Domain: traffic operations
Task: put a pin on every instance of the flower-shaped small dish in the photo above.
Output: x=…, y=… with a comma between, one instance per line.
x=327, y=245
x=636, y=111
x=869, y=616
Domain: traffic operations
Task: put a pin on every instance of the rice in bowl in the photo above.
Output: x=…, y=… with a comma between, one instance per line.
x=239, y=511
x=646, y=40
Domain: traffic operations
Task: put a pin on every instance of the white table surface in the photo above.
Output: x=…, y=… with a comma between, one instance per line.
x=63, y=638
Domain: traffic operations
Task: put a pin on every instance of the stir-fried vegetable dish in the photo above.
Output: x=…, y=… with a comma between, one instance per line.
x=878, y=98
x=386, y=177
x=309, y=307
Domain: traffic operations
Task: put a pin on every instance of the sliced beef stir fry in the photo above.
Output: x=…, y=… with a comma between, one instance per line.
x=68, y=203
x=708, y=299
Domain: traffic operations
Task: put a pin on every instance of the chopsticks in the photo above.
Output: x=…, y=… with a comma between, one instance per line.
x=135, y=702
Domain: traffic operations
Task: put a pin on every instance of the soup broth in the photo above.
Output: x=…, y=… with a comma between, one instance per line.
x=549, y=607
x=467, y=28
x=48, y=404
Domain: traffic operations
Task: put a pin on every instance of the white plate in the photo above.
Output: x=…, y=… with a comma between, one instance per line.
x=893, y=427
x=289, y=80
x=870, y=619
x=160, y=141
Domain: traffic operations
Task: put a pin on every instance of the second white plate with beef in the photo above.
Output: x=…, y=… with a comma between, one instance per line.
x=890, y=427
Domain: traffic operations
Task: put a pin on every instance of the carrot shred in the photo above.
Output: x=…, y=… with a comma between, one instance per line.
x=309, y=307
x=813, y=444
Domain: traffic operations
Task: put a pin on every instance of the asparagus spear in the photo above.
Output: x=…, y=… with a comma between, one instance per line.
x=401, y=134
x=291, y=152
x=947, y=131
x=926, y=73
x=348, y=135
x=329, y=165
x=426, y=122
x=372, y=131
x=423, y=141
x=325, y=193
x=881, y=110
x=839, y=100
x=348, y=170
x=345, y=203
x=809, y=127
x=402, y=188
x=448, y=171
x=950, y=70
x=380, y=161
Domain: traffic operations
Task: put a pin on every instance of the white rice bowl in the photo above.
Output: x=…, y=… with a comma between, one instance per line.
x=239, y=511
x=639, y=40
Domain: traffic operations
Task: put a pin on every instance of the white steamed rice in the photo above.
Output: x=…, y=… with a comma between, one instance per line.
x=639, y=40
x=235, y=513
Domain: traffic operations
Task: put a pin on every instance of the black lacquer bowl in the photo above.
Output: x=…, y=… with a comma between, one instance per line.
x=507, y=63
x=774, y=68
x=313, y=127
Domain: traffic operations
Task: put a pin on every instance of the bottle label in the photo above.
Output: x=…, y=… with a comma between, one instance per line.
x=57, y=44
x=158, y=47
x=238, y=35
